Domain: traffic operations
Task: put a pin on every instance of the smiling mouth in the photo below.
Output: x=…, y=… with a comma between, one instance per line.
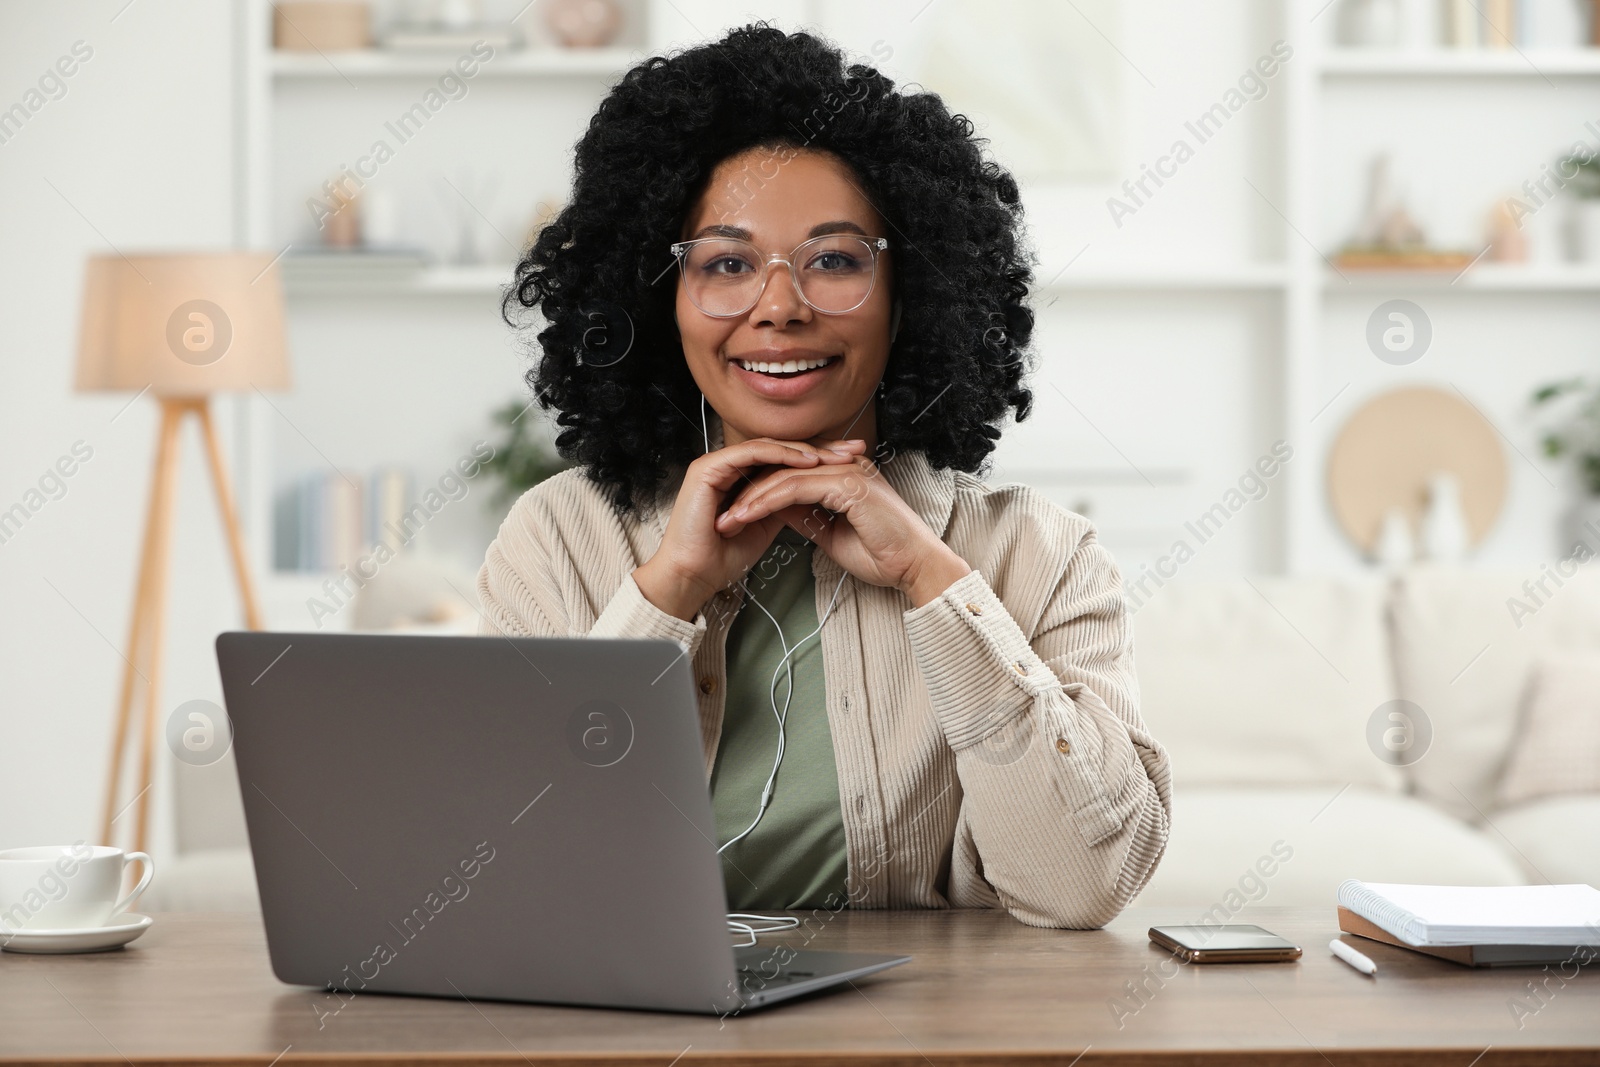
x=792, y=368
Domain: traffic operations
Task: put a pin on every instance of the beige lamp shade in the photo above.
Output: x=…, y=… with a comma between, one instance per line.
x=183, y=324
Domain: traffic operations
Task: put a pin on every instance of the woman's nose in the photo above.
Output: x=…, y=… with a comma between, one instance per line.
x=780, y=301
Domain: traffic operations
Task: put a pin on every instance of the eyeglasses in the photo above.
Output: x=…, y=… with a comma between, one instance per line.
x=833, y=274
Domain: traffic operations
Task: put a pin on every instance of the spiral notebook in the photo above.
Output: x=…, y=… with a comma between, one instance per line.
x=1441, y=915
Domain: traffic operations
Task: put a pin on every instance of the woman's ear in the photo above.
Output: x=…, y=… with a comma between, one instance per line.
x=894, y=320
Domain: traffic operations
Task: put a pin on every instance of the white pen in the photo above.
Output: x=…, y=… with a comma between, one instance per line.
x=1352, y=957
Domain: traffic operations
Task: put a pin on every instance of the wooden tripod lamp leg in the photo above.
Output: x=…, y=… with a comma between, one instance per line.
x=143, y=626
x=157, y=624
x=230, y=518
x=147, y=625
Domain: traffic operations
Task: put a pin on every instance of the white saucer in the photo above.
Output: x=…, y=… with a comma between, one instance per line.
x=122, y=929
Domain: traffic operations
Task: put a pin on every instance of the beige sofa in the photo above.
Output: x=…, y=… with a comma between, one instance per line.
x=1262, y=690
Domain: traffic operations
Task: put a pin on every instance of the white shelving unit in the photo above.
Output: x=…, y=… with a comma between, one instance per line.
x=1480, y=278
x=526, y=63
x=1468, y=106
x=1461, y=63
x=1294, y=300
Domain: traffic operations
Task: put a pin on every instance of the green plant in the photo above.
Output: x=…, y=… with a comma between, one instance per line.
x=1585, y=177
x=1578, y=435
x=522, y=457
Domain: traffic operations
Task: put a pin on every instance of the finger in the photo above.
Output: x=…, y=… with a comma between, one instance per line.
x=763, y=529
x=770, y=452
x=767, y=477
x=724, y=467
x=757, y=484
x=852, y=447
x=832, y=489
x=821, y=447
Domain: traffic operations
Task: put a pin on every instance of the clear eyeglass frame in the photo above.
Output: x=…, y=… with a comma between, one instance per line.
x=874, y=245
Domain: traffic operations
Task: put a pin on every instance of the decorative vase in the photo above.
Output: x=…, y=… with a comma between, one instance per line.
x=1445, y=538
x=1396, y=548
x=583, y=23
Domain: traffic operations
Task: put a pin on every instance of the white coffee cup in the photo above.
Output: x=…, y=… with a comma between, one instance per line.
x=66, y=887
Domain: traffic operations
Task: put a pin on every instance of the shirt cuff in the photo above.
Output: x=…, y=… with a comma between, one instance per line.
x=630, y=614
x=980, y=669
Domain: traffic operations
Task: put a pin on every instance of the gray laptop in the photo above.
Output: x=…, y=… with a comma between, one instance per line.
x=482, y=817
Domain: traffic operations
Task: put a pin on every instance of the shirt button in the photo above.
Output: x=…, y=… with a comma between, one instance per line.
x=1063, y=746
x=974, y=609
x=1020, y=669
x=708, y=685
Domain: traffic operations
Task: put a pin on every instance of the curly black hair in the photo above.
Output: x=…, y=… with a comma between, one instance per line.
x=600, y=274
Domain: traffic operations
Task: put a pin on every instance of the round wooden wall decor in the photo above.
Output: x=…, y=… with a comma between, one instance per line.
x=1394, y=442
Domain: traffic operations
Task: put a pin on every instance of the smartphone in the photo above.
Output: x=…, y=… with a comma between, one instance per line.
x=1228, y=943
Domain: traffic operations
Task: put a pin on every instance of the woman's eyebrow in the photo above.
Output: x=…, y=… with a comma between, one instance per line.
x=836, y=226
x=739, y=233
x=717, y=229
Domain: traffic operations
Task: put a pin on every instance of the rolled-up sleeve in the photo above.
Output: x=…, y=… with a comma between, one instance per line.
x=530, y=586
x=1066, y=797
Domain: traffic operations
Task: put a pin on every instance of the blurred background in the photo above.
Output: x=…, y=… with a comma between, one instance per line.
x=1316, y=293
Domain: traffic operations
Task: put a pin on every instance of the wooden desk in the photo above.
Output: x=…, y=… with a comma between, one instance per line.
x=982, y=991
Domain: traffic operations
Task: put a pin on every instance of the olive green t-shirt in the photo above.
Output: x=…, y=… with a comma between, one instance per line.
x=795, y=857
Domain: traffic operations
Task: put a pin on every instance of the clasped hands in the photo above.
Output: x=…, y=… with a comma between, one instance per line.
x=828, y=491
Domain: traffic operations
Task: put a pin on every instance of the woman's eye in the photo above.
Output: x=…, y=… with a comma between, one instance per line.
x=726, y=265
x=833, y=261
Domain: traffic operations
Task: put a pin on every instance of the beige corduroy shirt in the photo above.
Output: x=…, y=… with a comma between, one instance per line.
x=989, y=743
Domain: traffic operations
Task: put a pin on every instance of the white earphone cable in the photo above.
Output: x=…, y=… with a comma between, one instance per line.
x=783, y=715
x=741, y=922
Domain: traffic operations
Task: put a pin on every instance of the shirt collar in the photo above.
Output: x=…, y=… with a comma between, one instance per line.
x=931, y=493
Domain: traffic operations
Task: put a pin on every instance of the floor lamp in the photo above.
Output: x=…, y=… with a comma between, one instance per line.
x=182, y=327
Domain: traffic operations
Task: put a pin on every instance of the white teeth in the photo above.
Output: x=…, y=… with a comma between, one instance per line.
x=792, y=366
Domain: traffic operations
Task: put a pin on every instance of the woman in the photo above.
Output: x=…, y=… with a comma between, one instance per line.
x=784, y=319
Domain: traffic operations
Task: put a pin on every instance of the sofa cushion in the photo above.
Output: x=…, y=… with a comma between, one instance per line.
x=1464, y=642
x=1291, y=847
x=1557, y=743
x=1266, y=681
x=1556, y=840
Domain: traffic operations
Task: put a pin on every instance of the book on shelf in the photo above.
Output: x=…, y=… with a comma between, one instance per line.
x=332, y=519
